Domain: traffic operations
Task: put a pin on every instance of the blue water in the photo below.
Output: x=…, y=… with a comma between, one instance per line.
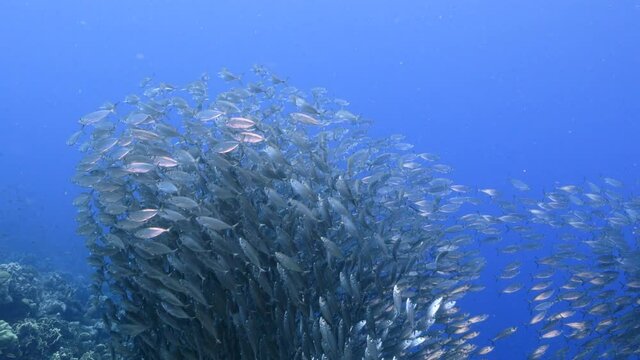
x=545, y=91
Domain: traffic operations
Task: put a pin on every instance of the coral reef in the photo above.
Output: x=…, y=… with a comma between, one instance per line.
x=45, y=316
x=7, y=337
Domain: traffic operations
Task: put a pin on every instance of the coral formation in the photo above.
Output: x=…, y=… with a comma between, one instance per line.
x=45, y=317
x=7, y=337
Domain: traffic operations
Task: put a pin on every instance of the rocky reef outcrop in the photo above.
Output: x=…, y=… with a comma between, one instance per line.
x=43, y=315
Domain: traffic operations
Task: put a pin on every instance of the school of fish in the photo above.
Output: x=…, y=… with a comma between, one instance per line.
x=264, y=223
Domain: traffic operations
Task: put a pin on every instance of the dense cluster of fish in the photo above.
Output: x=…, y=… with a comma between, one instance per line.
x=265, y=224
x=587, y=288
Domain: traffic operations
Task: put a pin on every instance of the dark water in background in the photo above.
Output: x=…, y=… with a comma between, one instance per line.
x=545, y=91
